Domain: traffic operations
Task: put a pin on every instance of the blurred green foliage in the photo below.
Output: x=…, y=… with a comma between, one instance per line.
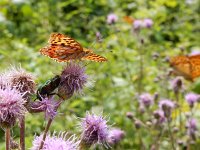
x=25, y=27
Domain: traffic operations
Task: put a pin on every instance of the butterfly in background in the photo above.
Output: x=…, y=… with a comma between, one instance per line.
x=128, y=19
x=63, y=48
x=186, y=66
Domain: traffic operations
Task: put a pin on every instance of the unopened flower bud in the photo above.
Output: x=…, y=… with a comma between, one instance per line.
x=137, y=124
x=129, y=115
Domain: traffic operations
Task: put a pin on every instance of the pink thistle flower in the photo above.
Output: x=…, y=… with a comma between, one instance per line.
x=73, y=79
x=137, y=24
x=11, y=106
x=98, y=37
x=191, y=98
x=47, y=105
x=159, y=115
x=21, y=80
x=145, y=100
x=60, y=142
x=167, y=106
x=191, y=126
x=112, y=18
x=177, y=84
x=115, y=135
x=148, y=23
x=94, y=130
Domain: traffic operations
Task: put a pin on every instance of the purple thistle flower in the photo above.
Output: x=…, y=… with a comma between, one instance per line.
x=191, y=98
x=112, y=18
x=94, y=130
x=137, y=24
x=191, y=126
x=159, y=115
x=177, y=84
x=73, y=79
x=115, y=135
x=145, y=100
x=148, y=23
x=167, y=106
x=21, y=79
x=60, y=142
x=11, y=106
x=98, y=37
x=47, y=105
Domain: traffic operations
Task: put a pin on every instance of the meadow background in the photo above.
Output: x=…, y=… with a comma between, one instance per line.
x=25, y=26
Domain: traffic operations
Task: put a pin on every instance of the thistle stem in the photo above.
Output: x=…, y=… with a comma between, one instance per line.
x=180, y=118
x=47, y=128
x=170, y=134
x=7, y=137
x=22, y=133
x=45, y=133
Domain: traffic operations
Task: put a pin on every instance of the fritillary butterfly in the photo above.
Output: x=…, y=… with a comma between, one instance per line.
x=128, y=19
x=186, y=66
x=63, y=48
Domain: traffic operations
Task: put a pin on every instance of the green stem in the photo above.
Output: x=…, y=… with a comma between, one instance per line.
x=180, y=117
x=170, y=134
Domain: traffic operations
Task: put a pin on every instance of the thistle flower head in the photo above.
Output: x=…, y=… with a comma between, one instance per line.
x=112, y=18
x=60, y=142
x=145, y=100
x=98, y=37
x=191, y=126
x=137, y=24
x=21, y=80
x=115, y=135
x=177, y=84
x=167, y=106
x=148, y=23
x=11, y=106
x=47, y=105
x=94, y=130
x=159, y=115
x=73, y=79
x=191, y=98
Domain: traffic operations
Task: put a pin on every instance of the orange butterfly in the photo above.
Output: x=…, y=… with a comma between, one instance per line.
x=63, y=49
x=186, y=66
x=128, y=19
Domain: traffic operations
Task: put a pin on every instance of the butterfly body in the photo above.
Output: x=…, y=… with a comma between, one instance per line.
x=63, y=49
x=186, y=66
